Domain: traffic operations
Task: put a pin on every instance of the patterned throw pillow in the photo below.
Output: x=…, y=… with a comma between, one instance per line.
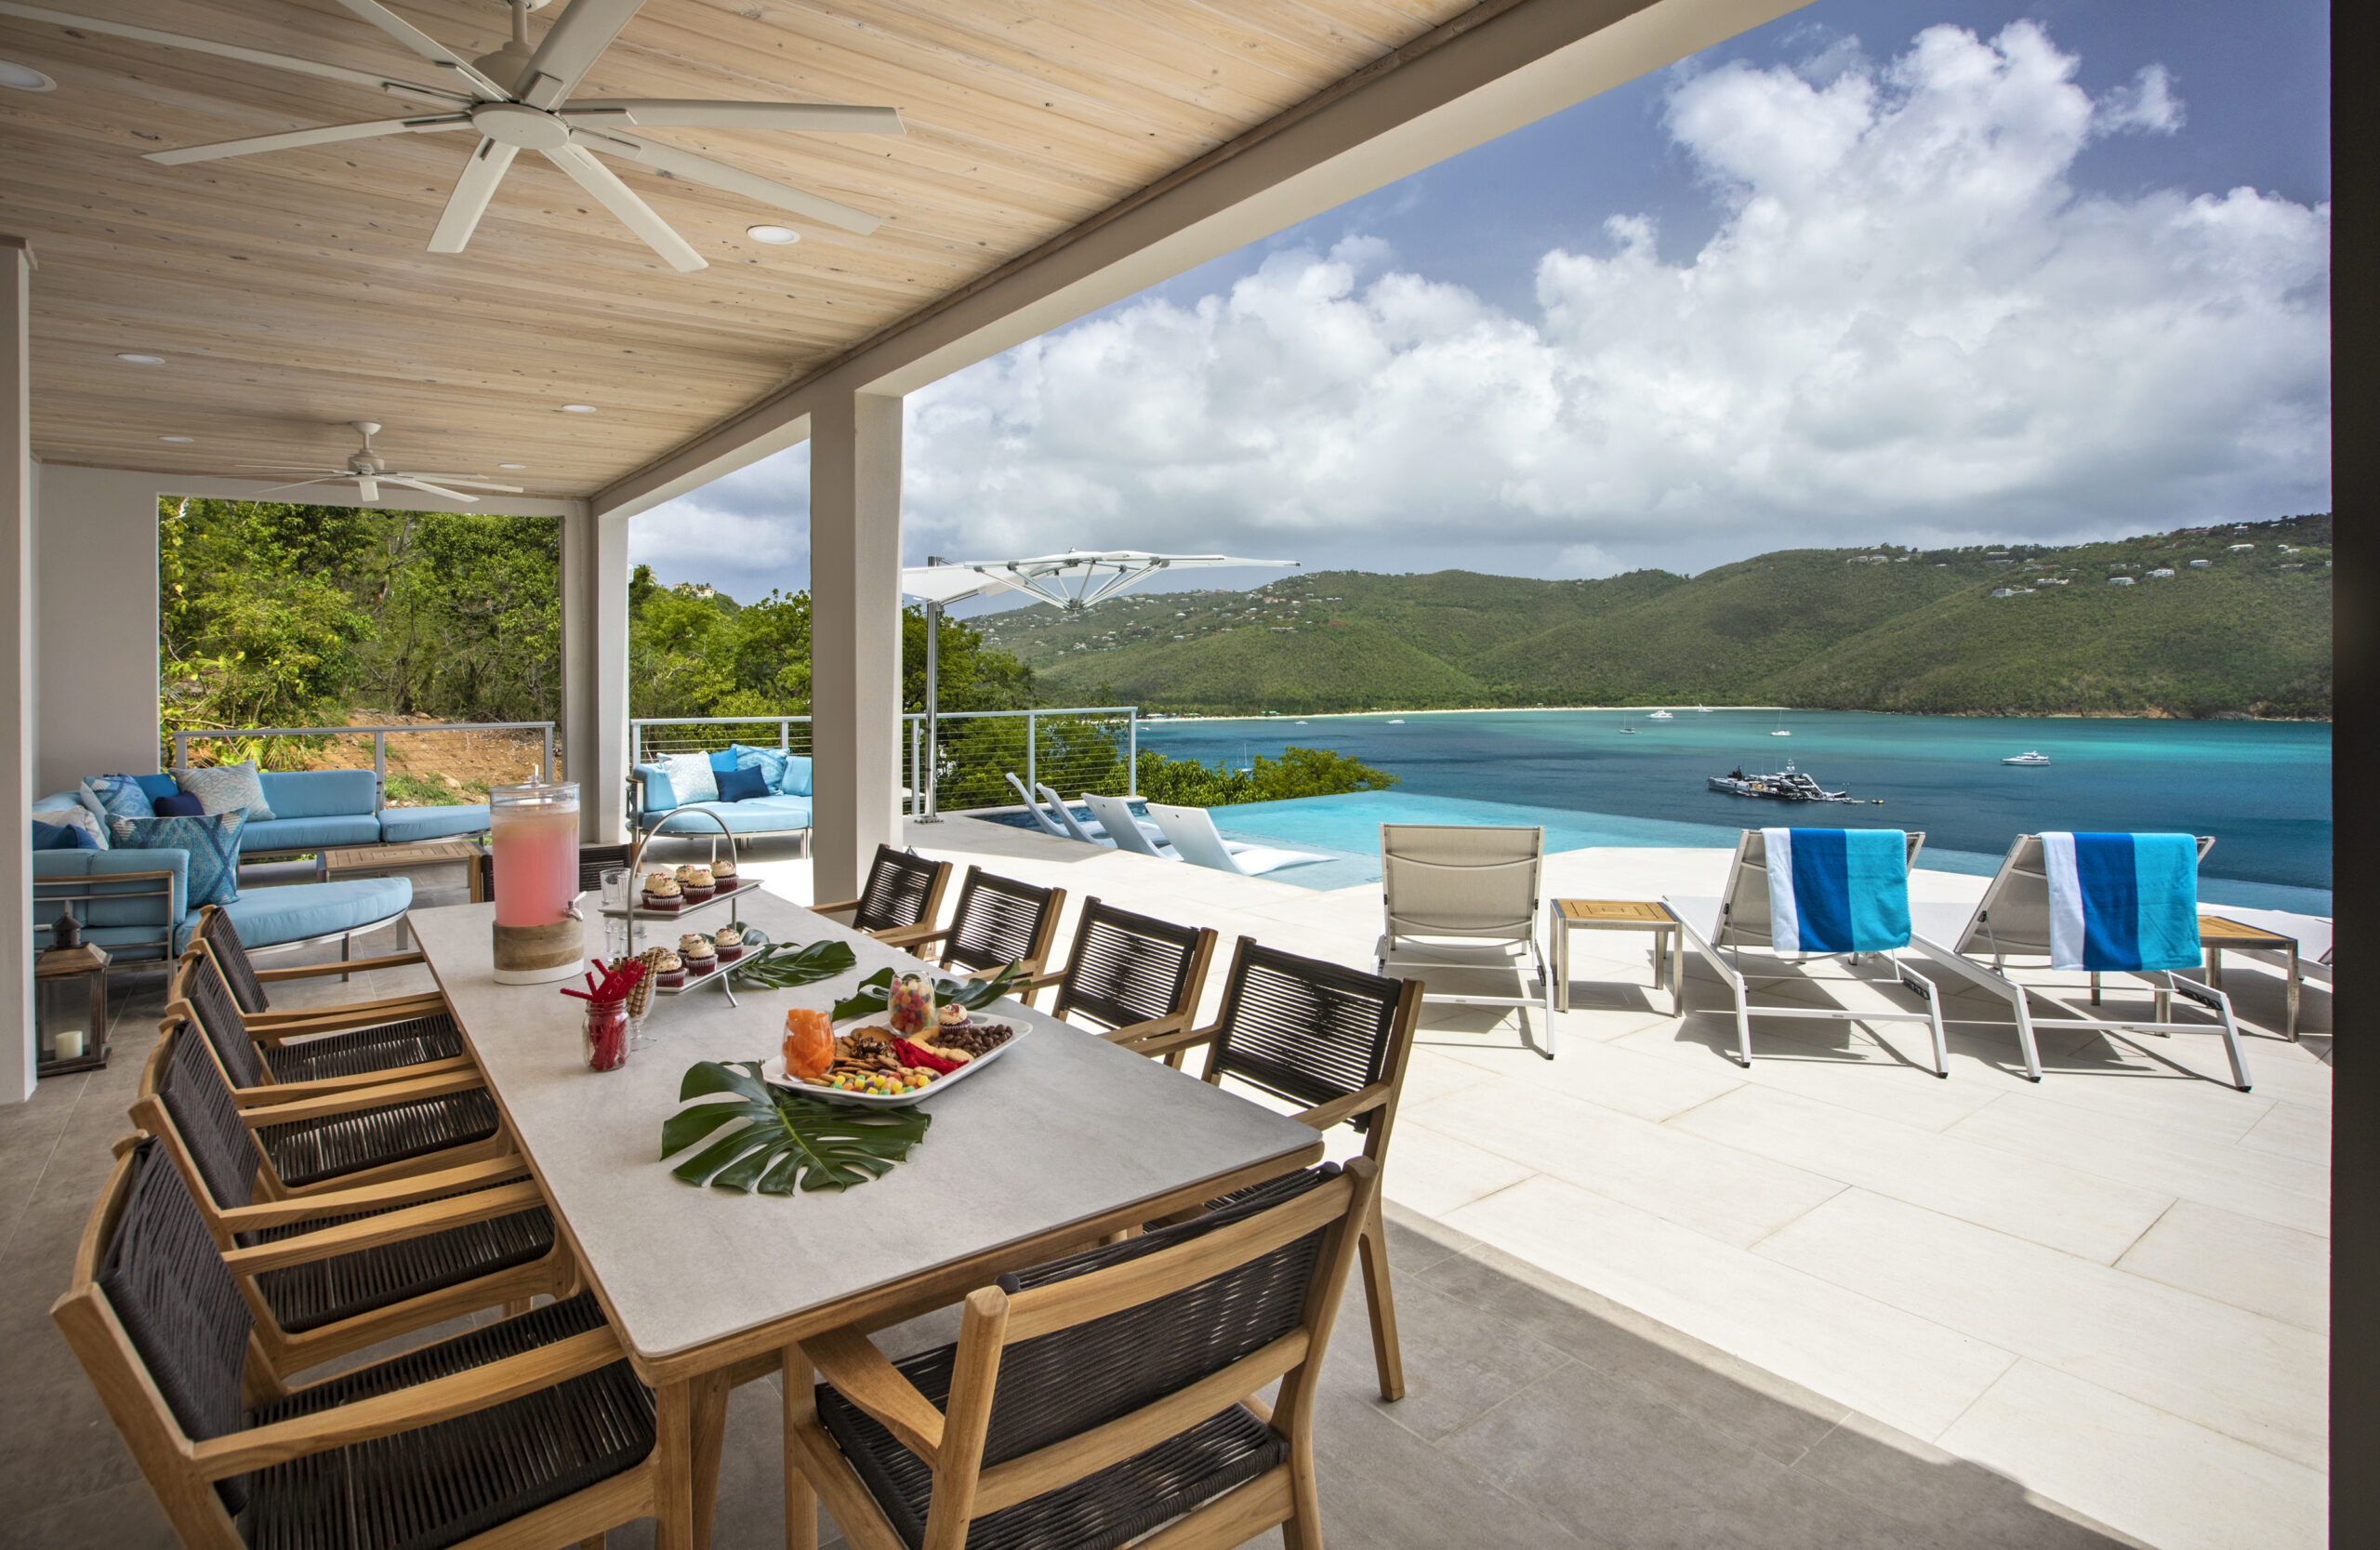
x=769, y=762
x=120, y=796
x=213, y=842
x=227, y=789
x=78, y=816
x=692, y=778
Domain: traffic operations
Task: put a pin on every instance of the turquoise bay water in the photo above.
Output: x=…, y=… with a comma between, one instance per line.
x=2261, y=789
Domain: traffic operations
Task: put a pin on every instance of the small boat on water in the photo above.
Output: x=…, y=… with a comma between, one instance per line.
x=2028, y=758
x=1702, y=711
x=1661, y=716
x=1787, y=784
x=1780, y=731
x=1397, y=721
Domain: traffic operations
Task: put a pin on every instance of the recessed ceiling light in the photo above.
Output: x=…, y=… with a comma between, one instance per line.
x=24, y=77
x=182, y=439
x=512, y=465
x=773, y=234
x=578, y=408
x=140, y=360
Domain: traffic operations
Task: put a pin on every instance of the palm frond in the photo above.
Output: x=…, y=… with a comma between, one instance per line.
x=784, y=1141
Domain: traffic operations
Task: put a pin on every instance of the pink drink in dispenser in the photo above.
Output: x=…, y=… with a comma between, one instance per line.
x=533, y=832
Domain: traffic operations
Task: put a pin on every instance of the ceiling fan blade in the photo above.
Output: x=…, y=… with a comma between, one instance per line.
x=818, y=118
x=474, y=481
x=718, y=174
x=367, y=487
x=329, y=135
x=472, y=191
x=224, y=51
x=571, y=48
x=302, y=484
x=621, y=200
x=427, y=48
x=425, y=484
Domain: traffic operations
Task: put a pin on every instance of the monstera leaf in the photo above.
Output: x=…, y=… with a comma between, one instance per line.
x=782, y=1140
x=972, y=994
x=781, y=965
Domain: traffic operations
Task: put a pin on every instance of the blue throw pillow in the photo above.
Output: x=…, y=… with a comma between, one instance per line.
x=120, y=797
x=62, y=837
x=179, y=805
x=797, y=777
x=228, y=789
x=769, y=762
x=740, y=785
x=724, y=759
x=212, y=839
x=159, y=784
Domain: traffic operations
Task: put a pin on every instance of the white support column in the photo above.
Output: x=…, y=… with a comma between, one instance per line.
x=854, y=636
x=594, y=671
x=16, y=707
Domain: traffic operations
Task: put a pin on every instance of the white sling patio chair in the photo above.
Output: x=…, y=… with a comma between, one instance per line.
x=1464, y=896
x=1722, y=930
x=2012, y=919
x=1054, y=820
x=1115, y=816
x=1192, y=834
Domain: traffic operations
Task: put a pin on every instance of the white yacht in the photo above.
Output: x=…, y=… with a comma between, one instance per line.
x=2029, y=757
x=1661, y=716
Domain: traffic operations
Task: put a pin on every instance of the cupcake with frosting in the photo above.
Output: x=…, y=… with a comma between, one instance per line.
x=729, y=942
x=668, y=970
x=661, y=891
x=723, y=873
x=696, y=883
x=700, y=956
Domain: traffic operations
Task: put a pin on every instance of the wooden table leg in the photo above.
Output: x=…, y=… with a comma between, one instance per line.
x=708, y=1443
x=800, y=1410
x=673, y=1487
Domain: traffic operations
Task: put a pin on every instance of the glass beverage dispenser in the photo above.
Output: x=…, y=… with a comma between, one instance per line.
x=533, y=832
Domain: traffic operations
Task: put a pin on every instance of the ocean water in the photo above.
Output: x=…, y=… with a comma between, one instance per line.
x=2261, y=789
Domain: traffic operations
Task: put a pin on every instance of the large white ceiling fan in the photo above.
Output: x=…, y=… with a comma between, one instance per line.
x=367, y=470
x=517, y=100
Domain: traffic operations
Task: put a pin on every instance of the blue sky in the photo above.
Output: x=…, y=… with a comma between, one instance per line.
x=1877, y=271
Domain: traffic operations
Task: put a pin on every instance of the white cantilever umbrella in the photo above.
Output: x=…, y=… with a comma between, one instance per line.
x=1072, y=581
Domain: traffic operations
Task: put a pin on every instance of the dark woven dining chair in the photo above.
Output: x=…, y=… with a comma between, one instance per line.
x=536, y=1422
x=1336, y=1040
x=997, y=921
x=320, y=1281
x=1094, y=1399
x=378, y=1052
x=1133, y=976
x=902, y=896
x=220, y=937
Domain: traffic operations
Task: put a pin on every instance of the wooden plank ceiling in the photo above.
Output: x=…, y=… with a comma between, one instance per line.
x=291, y=292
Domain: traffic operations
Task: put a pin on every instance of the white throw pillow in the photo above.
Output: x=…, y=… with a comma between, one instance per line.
x=690, y=776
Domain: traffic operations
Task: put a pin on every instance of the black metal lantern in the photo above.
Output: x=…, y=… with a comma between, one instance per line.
x=71, y=1010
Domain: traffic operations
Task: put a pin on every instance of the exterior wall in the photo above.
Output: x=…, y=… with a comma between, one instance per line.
x=95, y=590
x=16, y=661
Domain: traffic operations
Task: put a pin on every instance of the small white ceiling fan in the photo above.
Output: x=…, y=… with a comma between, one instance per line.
x=517, y=100
x=367, y=470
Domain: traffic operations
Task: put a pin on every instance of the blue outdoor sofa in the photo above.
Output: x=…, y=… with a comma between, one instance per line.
x=785, y=810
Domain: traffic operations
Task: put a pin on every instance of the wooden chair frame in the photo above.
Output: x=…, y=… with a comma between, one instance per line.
x=182, y=1470
x=1130, y=1035
x=1045, y=930
x=951, y=1438
x=294, y=1022
x=1379, y=1100
x=201, y=958
x=903, y=937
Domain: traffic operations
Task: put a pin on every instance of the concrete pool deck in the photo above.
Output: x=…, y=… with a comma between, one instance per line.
x=2109, y=1288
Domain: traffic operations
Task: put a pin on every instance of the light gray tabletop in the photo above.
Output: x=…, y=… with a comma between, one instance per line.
x=1064, y=1128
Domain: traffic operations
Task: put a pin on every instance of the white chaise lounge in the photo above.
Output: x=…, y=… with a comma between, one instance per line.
x=1192, y=834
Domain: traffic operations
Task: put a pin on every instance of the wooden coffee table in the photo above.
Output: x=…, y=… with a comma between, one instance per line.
x=2217, y=936
x=380, y=860
x=1570, y=915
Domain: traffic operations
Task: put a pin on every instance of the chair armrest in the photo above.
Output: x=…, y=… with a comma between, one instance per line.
x=295, y=1091
x=273, y=1027
x=261, y=1107
x=1166, y=1044
x=388, y=1227
x=850, y=1361
x=352, y=966
x=1131, y=1035
x=476, y=1388
x=1363, y=1100
x=908, y=936
x=841, y=907
x=373, y=1196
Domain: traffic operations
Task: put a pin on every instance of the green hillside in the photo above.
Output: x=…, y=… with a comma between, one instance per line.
x=1883, y=628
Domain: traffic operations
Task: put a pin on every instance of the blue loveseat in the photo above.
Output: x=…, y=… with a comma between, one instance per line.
x=785, y=810
x=315, y=810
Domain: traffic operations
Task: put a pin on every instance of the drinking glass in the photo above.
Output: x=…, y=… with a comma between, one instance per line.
x=614, y=881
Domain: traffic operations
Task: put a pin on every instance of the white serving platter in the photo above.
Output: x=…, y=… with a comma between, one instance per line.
x=773, y=1072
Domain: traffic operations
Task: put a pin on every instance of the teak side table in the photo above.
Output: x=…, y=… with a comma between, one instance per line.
x=2217, y=935
x=1570, y=915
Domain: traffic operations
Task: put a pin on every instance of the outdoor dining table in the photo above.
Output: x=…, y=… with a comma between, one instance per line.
x=1065, y=1140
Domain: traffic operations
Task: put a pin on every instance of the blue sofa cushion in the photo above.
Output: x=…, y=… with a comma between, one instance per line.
x=268, y=917
x=320, y=793
x=211, y=841
x=111, y=922
x=797, y=776
x=62, y=837
x=759, y=816
x=741, y=785
x=179, y=804
x=120, y=796
x=158, y=785
x=311, y=834
x=401, y=825
x=228, y=789
x=655, y=793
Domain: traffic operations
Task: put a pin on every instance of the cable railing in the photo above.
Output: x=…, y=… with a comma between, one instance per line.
x=1071, y=747
x=415, y=790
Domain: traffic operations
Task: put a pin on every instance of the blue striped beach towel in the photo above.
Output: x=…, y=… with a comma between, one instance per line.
x=1837, y=889
x=2122, y=901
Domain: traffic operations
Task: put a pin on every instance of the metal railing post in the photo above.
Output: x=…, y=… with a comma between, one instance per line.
x=181, y=751
x=785, y=735
x=916, y=792
x=379, y=769
x=1132, y=751
x=546, y=762
x=1032, y=750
